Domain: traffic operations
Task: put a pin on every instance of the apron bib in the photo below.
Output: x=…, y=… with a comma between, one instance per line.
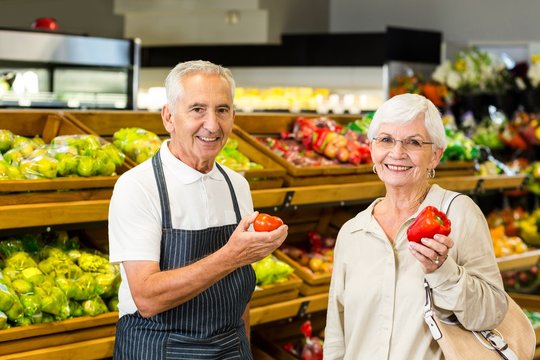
x=210, y=325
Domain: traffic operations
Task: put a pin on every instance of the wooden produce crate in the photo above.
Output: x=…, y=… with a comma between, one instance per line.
x=259, y=354
x=84, y=337
x=106, y=123
x=326, y=222
x=47, y=125
x=455, y=168
x=519, y=261
x=274, y=124
x=271, y=176
x=78, y=338
x=270, y=339
x=319, y=280
x=271, y=294
x=252, y=125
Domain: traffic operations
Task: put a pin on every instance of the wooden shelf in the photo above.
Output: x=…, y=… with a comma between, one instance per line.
x=288, y=309
x=291, y=197
x=30, y=215
x=100, y=348
x=496, y=182
x=519, y=261
x=82, y=338
x=61, y=183
x=90, y=210
x=26, y=204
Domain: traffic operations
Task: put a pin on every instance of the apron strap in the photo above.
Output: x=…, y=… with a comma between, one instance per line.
x=233, y=194
x=166, y=222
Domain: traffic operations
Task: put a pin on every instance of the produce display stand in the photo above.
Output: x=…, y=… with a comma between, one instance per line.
x=297, y=175
x=288, y=309
x=48, y=125
x=53, y=213
x=78, y=338
x=252, y=125
x=455, y=168
x=271, y=176
x=275, y=293
x=259, y=354
x=341, y=194
x=519, y=261
x=105, y=124
x=271, y=339
x=313, y=283
x=76, y=202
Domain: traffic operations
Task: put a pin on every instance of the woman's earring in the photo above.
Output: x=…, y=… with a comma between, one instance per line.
x=431, y=173
x=374, y=169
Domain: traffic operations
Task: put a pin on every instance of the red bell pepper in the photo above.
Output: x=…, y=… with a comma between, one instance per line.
x=319, y=137
x=429, y=222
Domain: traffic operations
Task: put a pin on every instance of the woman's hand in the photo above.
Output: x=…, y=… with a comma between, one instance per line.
x=431, y=253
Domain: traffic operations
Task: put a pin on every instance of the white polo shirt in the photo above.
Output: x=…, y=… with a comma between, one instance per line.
x=197, y=201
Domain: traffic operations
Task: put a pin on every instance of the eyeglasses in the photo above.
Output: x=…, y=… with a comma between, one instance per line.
x=408, y=144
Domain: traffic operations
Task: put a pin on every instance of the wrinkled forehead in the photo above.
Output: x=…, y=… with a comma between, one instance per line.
x=401, y=130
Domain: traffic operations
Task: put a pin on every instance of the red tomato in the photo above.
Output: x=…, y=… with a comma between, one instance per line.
x=265, y=222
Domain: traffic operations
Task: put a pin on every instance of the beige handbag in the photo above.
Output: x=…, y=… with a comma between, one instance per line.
x=513, y=339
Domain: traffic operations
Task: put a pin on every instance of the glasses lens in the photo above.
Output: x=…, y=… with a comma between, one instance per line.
x=386, y=141
x=409, y=144
x=412, y=144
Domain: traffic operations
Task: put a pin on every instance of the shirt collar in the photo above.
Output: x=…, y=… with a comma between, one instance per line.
x=184, y=173
x=365, y=220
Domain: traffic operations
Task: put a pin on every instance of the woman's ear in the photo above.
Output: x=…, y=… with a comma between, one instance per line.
x=437, y=155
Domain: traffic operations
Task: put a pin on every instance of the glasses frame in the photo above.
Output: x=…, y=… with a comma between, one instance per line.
x=404, y=145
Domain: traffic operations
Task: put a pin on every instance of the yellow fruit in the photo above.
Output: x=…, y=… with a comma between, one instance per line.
x=315, y=264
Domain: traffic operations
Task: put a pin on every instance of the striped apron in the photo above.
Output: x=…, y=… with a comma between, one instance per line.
x=210, y=325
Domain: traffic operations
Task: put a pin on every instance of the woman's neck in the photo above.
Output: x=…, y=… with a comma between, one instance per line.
x=405, y=201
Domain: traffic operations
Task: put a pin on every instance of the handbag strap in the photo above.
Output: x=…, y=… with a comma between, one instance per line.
x=493, y=339
x=429, y=314
x=450, y=200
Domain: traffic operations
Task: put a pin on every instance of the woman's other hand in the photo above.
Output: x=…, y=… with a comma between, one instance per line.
x=431, y=253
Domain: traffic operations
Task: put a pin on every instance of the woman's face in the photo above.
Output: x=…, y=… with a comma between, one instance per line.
x=404, y=163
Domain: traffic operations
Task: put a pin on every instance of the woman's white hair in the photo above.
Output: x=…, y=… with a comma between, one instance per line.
x=406, y=107
x=173, y=82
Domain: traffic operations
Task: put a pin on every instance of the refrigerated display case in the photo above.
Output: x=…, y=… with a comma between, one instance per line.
x=44, y=69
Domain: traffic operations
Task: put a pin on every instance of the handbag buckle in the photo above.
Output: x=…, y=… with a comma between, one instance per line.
x=432, y=324
x=495, y=340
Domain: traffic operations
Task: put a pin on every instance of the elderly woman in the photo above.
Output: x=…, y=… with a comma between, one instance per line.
x=376, y=301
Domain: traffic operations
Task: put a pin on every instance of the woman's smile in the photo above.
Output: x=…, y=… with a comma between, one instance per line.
x=397, y=167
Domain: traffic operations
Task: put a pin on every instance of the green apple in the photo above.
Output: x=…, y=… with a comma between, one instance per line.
x=6, y=140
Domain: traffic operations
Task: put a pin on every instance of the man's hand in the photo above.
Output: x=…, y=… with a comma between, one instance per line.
x=245, y=246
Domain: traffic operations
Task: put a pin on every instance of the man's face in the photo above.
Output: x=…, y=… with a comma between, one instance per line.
x=202, y=121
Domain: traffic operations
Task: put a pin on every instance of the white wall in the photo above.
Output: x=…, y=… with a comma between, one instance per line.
x=296, y=16
x=461, y=21
x=88, y=17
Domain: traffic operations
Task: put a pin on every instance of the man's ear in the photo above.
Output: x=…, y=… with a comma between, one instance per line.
x=166, y=116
